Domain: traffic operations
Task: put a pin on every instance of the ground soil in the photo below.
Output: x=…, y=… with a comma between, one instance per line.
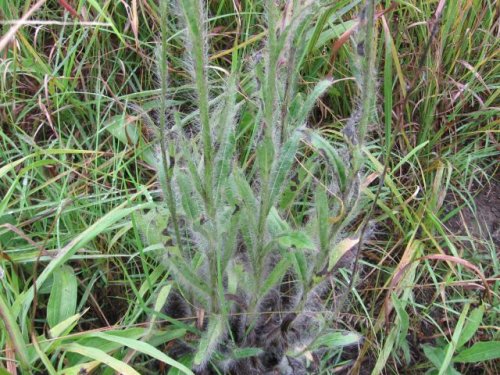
x=483, y=221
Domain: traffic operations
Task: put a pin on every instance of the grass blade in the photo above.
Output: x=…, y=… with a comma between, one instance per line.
x=144, y=348
x=9, y=321
x=99, y=355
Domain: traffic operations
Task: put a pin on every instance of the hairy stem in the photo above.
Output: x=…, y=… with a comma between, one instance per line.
x=166, y=164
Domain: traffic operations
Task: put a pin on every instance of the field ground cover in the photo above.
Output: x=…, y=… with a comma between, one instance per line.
x=81, y=291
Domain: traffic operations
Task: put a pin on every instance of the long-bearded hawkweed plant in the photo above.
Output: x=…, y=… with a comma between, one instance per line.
x=258, y=207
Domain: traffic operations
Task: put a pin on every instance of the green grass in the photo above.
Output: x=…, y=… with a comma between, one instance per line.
x=79, y=105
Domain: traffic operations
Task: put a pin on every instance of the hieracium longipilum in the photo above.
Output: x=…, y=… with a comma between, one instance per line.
x=258, y=206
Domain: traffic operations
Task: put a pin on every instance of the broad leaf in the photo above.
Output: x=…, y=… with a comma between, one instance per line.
x=479, y=352
x=298, y=240
x=474, y=320
x=63, y=297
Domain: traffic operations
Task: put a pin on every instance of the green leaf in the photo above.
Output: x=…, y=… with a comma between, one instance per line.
x=144, y=348
x=224, y=162
x=479, y=352
x=327, y=150
x=300, y=265
x=4, y=371
x=194, y=15
x=184, y=271
x=240, y=353
x=104, y=345
x=227, y=139
x=275, y=275
x=152, y=223
x=78, y=242
x=337, y=339
x=333, y=32
x=328, y=28
x=42, y=356
x=159, y=338
x=474, y=320
x=34, y=165
x=275, y=224
x=230, y=241
x=65, y=326
x=265, y=156
x=298, y=240
x=243, y=189
x=310, y=102
x=7, y=235
x=12, y=329
x=186, y=360
x=403, y=319
x=282, y=166
x=99, y=355
x=209, y=340
x=451, y=347
x=63, y=297
x=97, y=7
x=190, y=198
x=193, y=159
x=322, y=214
x=12, y=165
x=126, y=130
x=82, y=368
x=434, y=354
x=160, y=302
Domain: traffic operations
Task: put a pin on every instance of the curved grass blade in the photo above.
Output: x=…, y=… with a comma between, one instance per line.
x=144, y=348
x=99, y=355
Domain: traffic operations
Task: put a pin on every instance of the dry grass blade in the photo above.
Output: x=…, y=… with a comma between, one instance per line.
x=13, y=30
x=447, y=258
x=344, y=38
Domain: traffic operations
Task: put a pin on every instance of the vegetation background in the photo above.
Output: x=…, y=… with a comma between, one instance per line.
x=80, y=291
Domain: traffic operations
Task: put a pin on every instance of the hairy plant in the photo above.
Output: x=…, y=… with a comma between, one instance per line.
x=258, y=208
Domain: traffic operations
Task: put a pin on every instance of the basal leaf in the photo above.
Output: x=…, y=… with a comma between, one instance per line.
x=63, y=297
x=471, y=326
x=209, y=340
x=479, y=352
